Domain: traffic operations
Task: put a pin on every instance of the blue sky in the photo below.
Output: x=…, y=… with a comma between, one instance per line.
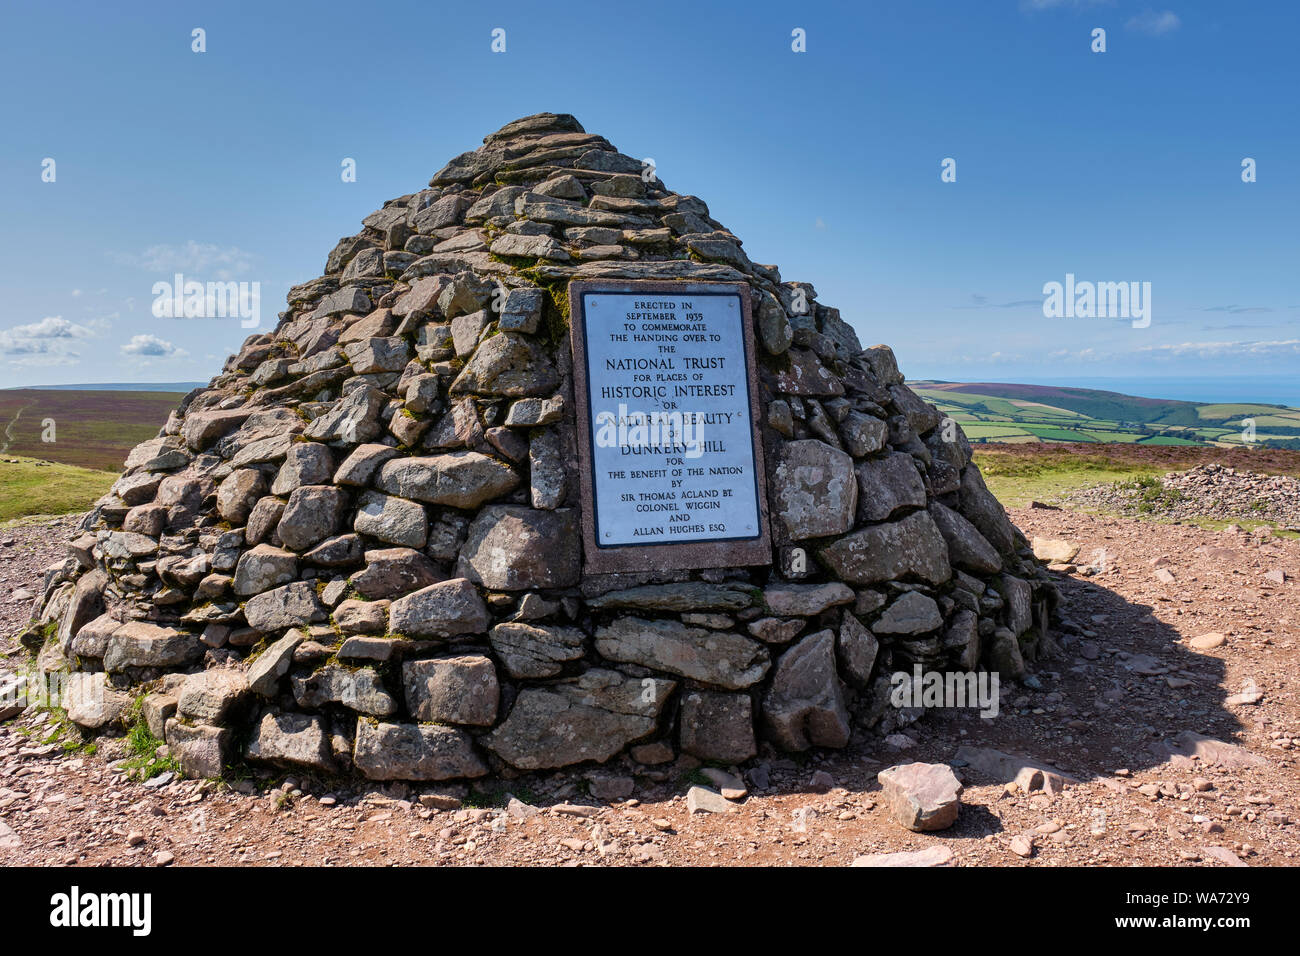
x=1115, y=166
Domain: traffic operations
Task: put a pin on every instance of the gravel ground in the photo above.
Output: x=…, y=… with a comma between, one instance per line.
x=1127, y=678
x=1210, y=491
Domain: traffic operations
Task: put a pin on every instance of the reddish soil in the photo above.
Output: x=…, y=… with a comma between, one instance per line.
x=1126, y=679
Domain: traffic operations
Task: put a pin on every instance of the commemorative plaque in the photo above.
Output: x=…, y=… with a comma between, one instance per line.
x=667, y=422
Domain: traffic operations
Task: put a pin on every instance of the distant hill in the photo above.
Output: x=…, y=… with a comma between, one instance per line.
x=181, y=387
x=1005, y=412
x=91, y=428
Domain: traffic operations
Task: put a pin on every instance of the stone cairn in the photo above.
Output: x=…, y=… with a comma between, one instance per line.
x=357, y=549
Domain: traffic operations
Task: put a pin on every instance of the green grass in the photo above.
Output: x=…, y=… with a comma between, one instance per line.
x=28, y=488
x=1152, y=495
x=1225, y=411
x=1117, y=437
x=61, y=731
x=990, y=430
x=1016, y=481
x=1051, y=433
x=1246, y=524
x=142, y=745
x=1168, y=440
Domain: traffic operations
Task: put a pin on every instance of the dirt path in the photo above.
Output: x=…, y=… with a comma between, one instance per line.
x=1126, y=679
x=9, y=429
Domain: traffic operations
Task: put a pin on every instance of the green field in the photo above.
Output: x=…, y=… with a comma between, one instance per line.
x=30, y=487
x=90, y=428
x=992, y=413
x=92, y=432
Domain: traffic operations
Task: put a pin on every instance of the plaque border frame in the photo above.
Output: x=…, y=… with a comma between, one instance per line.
x=732, y=552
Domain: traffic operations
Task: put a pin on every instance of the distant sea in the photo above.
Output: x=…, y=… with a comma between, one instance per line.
x=1265, y=389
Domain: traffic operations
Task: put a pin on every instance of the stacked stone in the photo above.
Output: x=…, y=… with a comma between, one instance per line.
x=358, y=547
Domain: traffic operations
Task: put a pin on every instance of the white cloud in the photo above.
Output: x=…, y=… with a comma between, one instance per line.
x=1034, y=5
x=49, y=341
x=43, y=361
x=50, y=327
x=1154, y=24
x=153, y=347
x=1279, y=348
x=1079, y=355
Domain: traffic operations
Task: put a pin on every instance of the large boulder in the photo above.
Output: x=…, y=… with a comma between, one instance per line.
x=292, y=740
x=452, y=690
x=462, y=479
x=909, y=547
x=292, y=605
x=312, y=514
x=535, y=650
x=200, y=749
x=979, y=506
x=909, y=614
x=272, y=664
x=804, y=705
x=718, y=726
x=591, y=717
x=513, y=548
x=388, y=751
x=813, y=489
x=440, y=610
x=888, y=484
x=967, y=548
x=391, y=572
x=262, y=568
x=212, y=696
x=360, y=689
x=712, y=657
x=507, y=365
x=140, y=644
x=391, y=519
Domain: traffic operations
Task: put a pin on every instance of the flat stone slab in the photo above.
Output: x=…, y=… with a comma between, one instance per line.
x=806, y=600
x=930, y=856
x=1004, y=767
x=1054, y=550
x=684, y=596
x=704, y=800
x=1207, y=751
x=718, y=658
x=1208, y=642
